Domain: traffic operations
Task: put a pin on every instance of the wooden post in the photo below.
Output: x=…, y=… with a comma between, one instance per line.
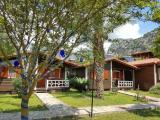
x=155, y=75
x=133, y=78
x=123, y=75
x=46, y=84
x=65, y=73
x=111, y=74
x=86, y=73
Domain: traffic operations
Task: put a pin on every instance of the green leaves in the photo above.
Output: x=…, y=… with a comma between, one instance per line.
x=1, y=20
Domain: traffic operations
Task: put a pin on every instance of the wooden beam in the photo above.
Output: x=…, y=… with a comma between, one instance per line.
x=133, y=78
x=111, y=74
x=65, y=72
x=123, y=75
x=86, y=73
x=155, y=74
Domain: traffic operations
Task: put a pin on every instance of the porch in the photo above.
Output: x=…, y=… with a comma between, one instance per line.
x=59, y=78
x=53, y=85
x=122, y=74
x=125, y=84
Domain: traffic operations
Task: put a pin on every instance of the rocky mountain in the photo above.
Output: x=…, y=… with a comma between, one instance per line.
x=123, y=47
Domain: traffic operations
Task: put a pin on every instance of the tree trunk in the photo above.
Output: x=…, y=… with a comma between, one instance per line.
x=98, y=51
x=24, y=103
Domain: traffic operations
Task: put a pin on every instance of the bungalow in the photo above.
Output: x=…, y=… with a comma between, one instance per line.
x=117, y=73
x=148, y=73
x=144, y=72
x=56, y=79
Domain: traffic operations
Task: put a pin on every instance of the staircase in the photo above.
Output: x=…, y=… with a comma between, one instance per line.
x=6, y=85
x=41, y=90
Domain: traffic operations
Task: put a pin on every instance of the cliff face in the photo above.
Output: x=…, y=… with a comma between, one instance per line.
x=127, y=46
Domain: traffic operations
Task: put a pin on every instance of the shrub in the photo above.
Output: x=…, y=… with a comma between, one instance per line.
x=81, y=84
x=155, y=89
x=17, y=82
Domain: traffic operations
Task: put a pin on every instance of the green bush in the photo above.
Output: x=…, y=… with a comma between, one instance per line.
x=81, y=84
x=155, y=89
x=17, y=83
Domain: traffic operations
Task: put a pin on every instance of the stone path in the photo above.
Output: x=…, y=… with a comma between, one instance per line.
x=134, y=94
x=58, y=109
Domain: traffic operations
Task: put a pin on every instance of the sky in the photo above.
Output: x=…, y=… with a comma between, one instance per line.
x=129, y=30
x=133, y=30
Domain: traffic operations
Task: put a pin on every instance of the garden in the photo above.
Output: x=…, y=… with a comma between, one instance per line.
x=153, y=91
x=80, y=96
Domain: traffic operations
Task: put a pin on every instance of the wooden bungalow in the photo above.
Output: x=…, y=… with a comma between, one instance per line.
x=148, y=73
x=6, y=74
x=143, y=72
x=117, y=73
x=57, y=79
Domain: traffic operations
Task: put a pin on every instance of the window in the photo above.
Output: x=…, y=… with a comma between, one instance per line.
x=116, y=74
x=57, y=73
x=11, y=73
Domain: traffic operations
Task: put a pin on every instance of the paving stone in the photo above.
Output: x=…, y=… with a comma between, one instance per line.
x=134, y=94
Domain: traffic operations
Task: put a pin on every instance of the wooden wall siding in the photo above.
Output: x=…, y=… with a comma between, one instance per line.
x=62, y=73
x=106, y=74
x=144, y=55
x=6, y=85
x=145, y=77
x=4, y=72
x=55, y=75
x=118, y=66
x=117, y=75
x=41, y=83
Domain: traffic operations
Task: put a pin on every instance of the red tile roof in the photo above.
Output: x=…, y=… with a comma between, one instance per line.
x=149, y=61
x=121, y=62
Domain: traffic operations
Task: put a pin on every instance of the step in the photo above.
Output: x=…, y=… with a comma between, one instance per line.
x=5, y=80
x=6, y=88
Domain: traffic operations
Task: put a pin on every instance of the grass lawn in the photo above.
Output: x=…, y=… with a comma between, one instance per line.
x=11, y=103
x=134, y=115
x=145, y=93
x=77, y=99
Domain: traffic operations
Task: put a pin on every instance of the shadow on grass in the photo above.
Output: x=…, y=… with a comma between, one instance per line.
x=147, y=112
x=67, y=118
x=12, y=103
x=9, y=96
x=17, y=107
